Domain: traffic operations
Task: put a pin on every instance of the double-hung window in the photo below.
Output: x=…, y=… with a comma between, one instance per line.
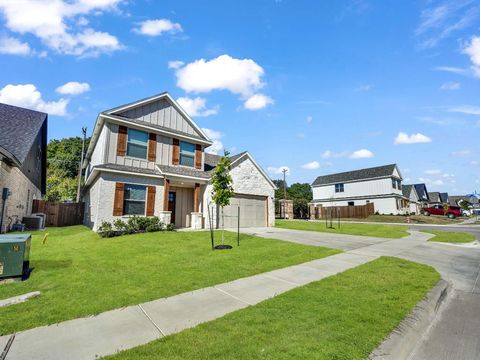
x=134, y=199
x=339, y=188
x=399, y=185
x=394, y=183
x=137, y=143
x=187, y=153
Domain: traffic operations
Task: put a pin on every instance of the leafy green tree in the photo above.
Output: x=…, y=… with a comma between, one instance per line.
x=279, y=192
x=301, y=194
x=63, y=160
x=222, y=186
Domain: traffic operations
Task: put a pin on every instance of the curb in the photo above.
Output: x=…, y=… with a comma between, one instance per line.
x=404, y=339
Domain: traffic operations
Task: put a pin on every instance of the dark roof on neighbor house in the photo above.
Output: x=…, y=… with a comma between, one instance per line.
x=374, y=172
x=19, y=129
x=436, y=196
x=406, y=190
x=454, y=199
x=422, y=191
x=211, y=160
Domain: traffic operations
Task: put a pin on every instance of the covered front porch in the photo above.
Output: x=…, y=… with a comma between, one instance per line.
x=182, y=202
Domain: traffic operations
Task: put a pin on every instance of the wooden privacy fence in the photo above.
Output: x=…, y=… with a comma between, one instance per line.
x=359, y=211
x=60, y=214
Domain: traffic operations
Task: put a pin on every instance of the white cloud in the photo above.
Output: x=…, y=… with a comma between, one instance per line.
x=450, y=86
x=428, y=181
x=328, y=154
x=404, y=138
x=473, y=50
x=362, y=154
x=466, y=109
x=175, y=64
x=239, y=76
x=461, y=153
x=158, y=27
x=53, y=23
x=29, y=97
x=437, y=182
x=311, y=165
x=364, y=88
x=257, y=102
x=474, y=162
x=215, y=136
x=451, y=69
x=73, y=88
x=433, y=172
x=12, y=46
x=196, y=106
x=309, y=119
x=278, y=170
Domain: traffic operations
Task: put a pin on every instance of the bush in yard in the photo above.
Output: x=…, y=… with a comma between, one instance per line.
x=106, y=230
x=170, y=227
x=120, y=225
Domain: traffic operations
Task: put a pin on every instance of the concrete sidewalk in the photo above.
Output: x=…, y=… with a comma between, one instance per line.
x=120, y=329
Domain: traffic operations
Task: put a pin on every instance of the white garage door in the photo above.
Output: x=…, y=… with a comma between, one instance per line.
x=253, y=211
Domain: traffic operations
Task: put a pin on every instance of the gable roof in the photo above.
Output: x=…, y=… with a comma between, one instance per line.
x=406, y=190
x=19, y=129
x=436, y=196
x=355, y=175
x=422, y=192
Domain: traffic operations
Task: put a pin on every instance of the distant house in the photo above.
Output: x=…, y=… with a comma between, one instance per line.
x=23, y=162
x=459, y=200
x=411, y=202
x=149, y=158
x=438, y=198
x=381, y=185
x=422, y=193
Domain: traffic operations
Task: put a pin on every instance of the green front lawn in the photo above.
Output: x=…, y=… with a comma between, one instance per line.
x=375, y=230
x=79, y=273
x=342, y=317
x=414, y=219
x=450, y=237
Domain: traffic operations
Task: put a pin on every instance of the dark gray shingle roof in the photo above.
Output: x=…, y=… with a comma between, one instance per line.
x=128, y=168
x=19, y=128
x=184, y=171
x=422, y=192
x=406, y=189
x=211, y=160
x=374, y=172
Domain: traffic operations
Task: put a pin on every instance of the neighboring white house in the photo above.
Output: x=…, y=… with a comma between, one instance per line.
x=411, y=202
x=381, y=185
x=148, y=158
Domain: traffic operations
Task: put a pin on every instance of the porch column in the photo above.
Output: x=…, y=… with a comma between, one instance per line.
x=166, y=190
x=196, y=198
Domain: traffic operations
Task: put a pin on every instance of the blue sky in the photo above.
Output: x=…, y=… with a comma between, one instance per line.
x=316, y=86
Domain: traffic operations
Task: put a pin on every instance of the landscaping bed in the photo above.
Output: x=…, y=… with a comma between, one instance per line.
x=375, y=230
x=345, y=316
x=450, y=237
x=79, y=273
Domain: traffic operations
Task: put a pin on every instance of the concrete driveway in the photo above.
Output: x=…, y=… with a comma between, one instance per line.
x=455, y=332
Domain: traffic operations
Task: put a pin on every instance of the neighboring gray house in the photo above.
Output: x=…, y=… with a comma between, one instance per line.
x=148, y=158
x=380, y=185
x=438, y=198
x=23, y=162
x=411, y=202
x=422, y=193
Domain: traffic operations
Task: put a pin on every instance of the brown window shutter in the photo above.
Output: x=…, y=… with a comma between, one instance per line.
x=176, y=152
x=122, y=141
x=118, y=199
x=198, y=156
x=150, y=200
x=152, y=147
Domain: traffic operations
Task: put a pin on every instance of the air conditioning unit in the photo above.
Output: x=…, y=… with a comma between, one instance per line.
x=14, y=255
x=33, y=222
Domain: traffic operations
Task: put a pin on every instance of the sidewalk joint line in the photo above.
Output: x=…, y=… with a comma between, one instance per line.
x=277, y=278
x=5, y=351
x=233, y=296
x=151, y=320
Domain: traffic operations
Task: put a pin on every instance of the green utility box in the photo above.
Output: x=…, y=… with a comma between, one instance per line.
x=14, y=255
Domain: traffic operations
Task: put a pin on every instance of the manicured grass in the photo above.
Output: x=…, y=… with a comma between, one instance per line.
x=414, y=219
x=383, y=231
x=80, y=273
x=342, y=317
x=450, y=237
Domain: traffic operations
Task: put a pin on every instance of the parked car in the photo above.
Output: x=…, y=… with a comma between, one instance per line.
x=452, y=211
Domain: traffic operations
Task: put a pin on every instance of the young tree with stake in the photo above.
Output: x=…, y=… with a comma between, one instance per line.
x=222, y=185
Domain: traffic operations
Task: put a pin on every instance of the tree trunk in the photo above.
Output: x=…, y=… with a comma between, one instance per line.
x=223, y=228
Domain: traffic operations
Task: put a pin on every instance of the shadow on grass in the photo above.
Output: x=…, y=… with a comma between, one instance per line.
x=49, y=265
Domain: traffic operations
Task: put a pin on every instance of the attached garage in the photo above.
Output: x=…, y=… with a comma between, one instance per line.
x=253, y=211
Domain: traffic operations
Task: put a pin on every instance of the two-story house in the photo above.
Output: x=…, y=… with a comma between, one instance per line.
x=148, y=158
x=23, y=162
x=381, y=185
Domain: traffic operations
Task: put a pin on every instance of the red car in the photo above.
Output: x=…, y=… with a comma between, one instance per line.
x=452, y=211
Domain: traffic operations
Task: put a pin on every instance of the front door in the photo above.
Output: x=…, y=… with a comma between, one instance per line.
x=172, y=195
